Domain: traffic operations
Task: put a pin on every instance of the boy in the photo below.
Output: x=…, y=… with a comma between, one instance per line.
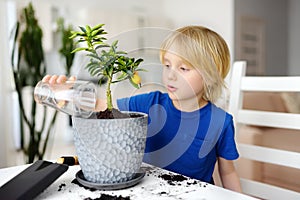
x=187, y=133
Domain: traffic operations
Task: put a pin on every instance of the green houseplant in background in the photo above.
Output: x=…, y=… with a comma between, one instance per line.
x=67, y=44
x=110, y=148
x=29, y=67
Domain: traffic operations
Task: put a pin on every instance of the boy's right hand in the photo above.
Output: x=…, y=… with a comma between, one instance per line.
x=53, y=79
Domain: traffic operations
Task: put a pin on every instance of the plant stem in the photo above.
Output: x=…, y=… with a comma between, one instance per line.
x=108, y=94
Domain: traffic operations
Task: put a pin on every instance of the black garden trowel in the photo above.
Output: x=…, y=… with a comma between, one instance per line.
x=32, y=181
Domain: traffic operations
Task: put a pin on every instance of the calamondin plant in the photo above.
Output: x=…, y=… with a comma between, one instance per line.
x=124, y=139
x=106, y=61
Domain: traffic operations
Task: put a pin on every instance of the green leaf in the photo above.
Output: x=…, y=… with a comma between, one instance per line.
x=130, y=73
x=123, y=76
x=115, y=43
x=97, y=26
x=79, y=49
x=95, y=32
x=95, y=71
x=138, y=61
x=74, y=34
x=92, y=55
x=90, y=65
x=82, y=29
x=88, y=29
x=121, y=52
x=121, y=61
x=141, y=70
x=101, y=45
x=98, y=39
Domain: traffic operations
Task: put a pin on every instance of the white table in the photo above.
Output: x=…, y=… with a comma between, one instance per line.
x=152, y=186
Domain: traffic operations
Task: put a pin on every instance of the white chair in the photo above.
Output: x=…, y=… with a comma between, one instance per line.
x=241, y=83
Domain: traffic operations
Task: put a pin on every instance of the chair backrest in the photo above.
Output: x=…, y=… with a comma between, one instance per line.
x=241, y=83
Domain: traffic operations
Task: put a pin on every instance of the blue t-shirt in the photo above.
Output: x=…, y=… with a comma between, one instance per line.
x=184, y=142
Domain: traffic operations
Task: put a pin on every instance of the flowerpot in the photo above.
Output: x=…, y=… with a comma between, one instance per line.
x=110, y=150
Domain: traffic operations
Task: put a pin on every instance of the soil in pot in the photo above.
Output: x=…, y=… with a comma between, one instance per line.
x=114, y=114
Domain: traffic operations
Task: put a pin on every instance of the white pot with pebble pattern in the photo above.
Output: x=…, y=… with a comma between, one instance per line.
x=110, y=150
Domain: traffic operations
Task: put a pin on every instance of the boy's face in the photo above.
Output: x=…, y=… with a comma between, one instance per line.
x=182, y=81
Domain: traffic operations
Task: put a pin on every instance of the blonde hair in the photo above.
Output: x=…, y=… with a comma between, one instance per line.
x=204, y=50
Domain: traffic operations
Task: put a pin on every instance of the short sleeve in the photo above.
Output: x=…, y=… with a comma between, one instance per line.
x=226, y=146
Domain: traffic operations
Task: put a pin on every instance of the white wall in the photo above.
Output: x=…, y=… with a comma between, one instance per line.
x=5, y=88
x=215, y=14
x=2, y=89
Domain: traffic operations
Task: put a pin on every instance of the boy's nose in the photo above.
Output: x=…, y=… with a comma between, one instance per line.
x=172, y=74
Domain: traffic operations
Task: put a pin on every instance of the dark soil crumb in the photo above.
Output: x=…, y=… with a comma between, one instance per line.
x=61, y=186
x=109, y=197
x=173, y=179
x=193, y=183
x=114, y=114
x=177, y=178
x=163, y=192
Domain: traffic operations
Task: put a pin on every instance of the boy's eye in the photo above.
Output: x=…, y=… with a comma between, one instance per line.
x=167, y=65
x=184, y=69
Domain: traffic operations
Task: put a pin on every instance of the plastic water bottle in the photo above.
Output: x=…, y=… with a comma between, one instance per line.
x=76, y=98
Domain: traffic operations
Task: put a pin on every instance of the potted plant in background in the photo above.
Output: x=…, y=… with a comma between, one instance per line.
x=110, y=148
x=67, y=44
x=28, y=66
